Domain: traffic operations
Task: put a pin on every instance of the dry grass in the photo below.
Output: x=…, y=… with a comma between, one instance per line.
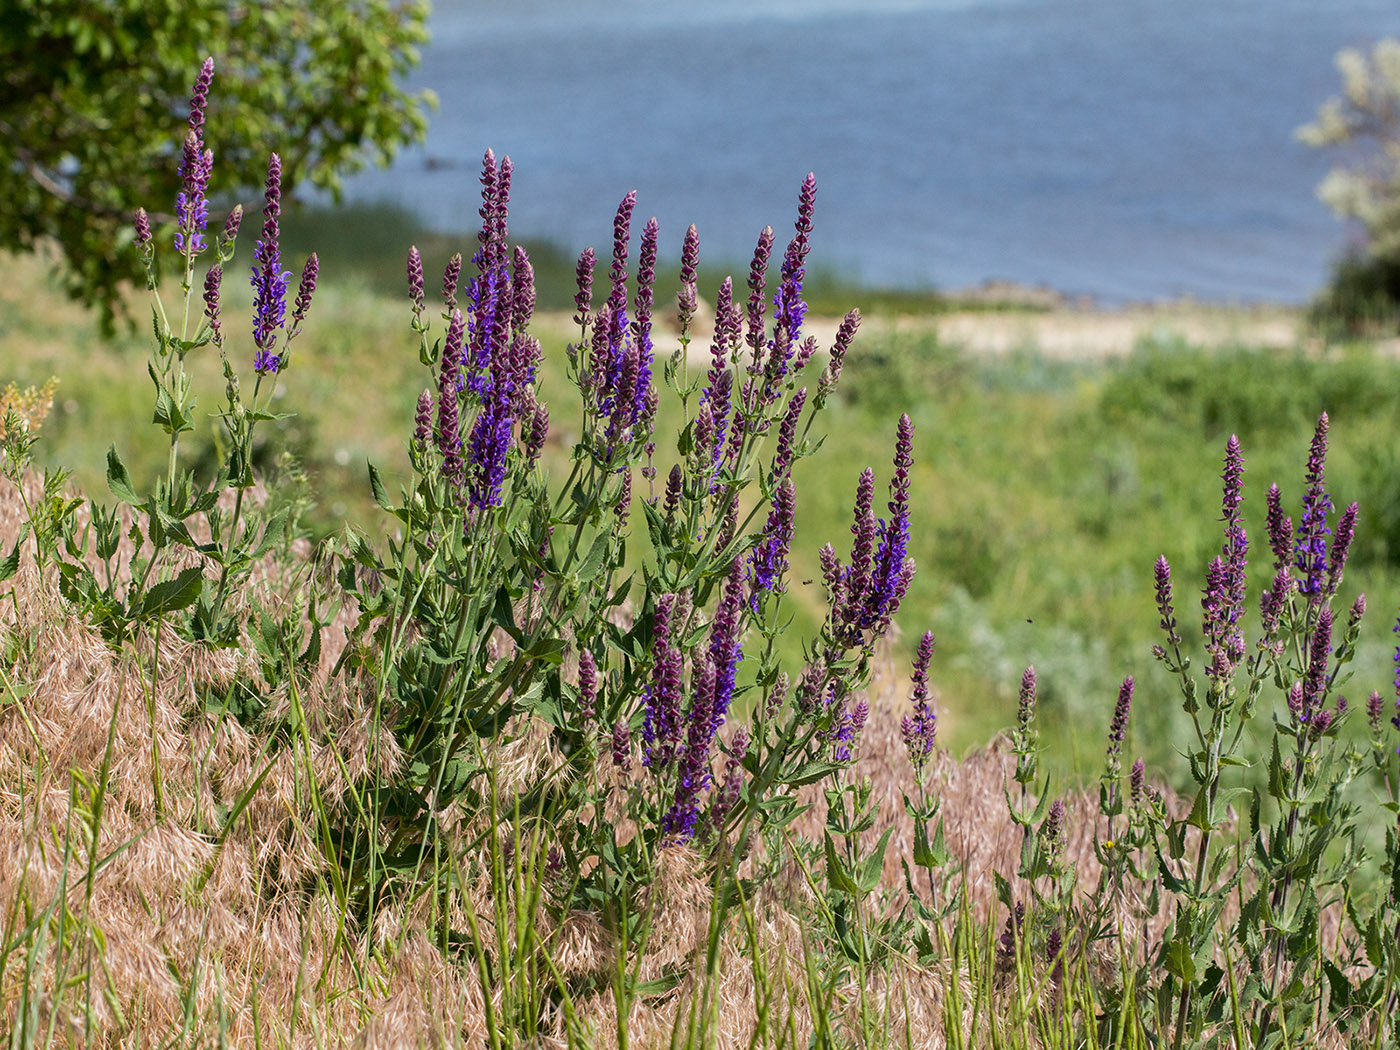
x=229, y=928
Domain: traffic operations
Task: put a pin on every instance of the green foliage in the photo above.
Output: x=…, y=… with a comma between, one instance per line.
x=93, y=92
x=1365, y=121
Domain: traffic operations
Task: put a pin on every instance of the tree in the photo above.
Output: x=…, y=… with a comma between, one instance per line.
x=1365, y=120
x=88, y=90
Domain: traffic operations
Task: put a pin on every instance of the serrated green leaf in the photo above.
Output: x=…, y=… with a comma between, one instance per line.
x=9, y=565
x=593, y=560
x=173, y=594
x=118, y=480
x=1179, y=961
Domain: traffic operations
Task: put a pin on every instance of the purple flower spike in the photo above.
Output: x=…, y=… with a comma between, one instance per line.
x=489, y=186
x=787, y=434
x=621, y=746
x=768, y=562
x=415, y=280
x=918, y=729
x=1135, y=781
x=269, y=279
x=863, y=528
x=1396, y=630
x=523, y=286
x=788, y=307
x=728, y=793
x=449, y=437
x=1358, y=610
x=212, y=280
x=662, y=724
x=305, y=291
x=191, y=207
x=1272, y=602
x=1118, y=728
x=622, y=509
x=1374, y=705
x=1162, y=574
x=1341, y=545
x=196, y=167
x=487, y=448
x=1280, y=528
x=1315, y=676
x=641, y=325
x=587, y=686
x=672, y=502
x=622, y=233
x=1310, y=546
x=1053, y=829
x=1025, y=705
x=888, y=582
x=423, y=420
x=583, y=298
x=199, y=97
x=1233, y=478
x=724, y=652
x=758, y=276
x=832, y=373
x=231, y=224
x=539, y=431
x=686, y=295
x=451, y=276
x=142, y=223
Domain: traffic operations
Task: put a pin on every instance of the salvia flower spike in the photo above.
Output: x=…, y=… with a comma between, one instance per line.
x=789, y=309
x=416, y=292
x=919, y=729
x=212, y=281
x=196, y=167
x=269, y=279
x=1310, y=543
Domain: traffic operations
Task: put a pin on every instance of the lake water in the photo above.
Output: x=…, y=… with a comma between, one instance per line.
x=1124, y=149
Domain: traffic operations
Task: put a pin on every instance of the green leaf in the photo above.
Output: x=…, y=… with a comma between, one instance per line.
x=118, y=480
x=376, y=488
x=593, y=561
x=550, y=650
x=1179, y=962
x=873, y=867
x=836, y=874
x=9, y=565
x=1199, y=816
x=174, y=594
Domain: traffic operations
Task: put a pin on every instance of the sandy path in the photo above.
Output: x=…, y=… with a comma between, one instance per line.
x=1061, y=333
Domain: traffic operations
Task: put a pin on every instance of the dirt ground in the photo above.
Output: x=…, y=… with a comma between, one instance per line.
x=1065, y=332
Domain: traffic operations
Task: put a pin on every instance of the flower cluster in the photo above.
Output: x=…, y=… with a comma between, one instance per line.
x=488, y=359
x=919, y=729
x=1310, y=544
x=269, y=279
x=678, y=737
x=768, y=562
x=867, y=592
x=196, y=167
x=1224, y=596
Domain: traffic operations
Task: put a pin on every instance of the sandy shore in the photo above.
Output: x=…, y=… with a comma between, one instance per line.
x=1064, y=333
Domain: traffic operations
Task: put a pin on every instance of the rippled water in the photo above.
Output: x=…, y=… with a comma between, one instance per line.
x=1120, y=148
